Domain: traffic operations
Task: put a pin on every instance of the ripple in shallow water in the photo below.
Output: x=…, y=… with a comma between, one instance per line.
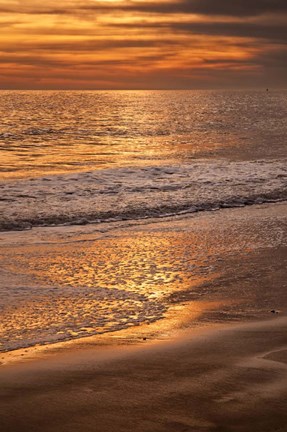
x=93, y=287
x=55, y=315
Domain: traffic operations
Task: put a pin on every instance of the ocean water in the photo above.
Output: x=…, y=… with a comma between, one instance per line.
x=80, y=157
x=56, y=132
x=92, y=161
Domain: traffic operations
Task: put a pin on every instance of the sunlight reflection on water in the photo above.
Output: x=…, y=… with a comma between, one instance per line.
x=100, y=286
x=52, y=132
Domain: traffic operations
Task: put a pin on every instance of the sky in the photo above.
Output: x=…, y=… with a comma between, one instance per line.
x=143, y=44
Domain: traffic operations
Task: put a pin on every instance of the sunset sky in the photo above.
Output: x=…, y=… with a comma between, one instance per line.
x=142, y=44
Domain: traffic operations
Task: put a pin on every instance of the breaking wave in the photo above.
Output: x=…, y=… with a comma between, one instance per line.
x=137, y=193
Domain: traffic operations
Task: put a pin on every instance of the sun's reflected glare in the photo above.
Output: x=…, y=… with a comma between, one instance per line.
x=104, y=286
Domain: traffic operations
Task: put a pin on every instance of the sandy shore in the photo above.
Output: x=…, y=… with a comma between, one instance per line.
x=216, y=362
x=228, y=379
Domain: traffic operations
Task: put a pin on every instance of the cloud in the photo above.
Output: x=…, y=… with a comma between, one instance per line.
x=257, y=30
x=232, y=8
x=142, y=44
x=91, y=45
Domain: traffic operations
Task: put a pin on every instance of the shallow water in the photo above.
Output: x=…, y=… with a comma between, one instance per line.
x=73, y=282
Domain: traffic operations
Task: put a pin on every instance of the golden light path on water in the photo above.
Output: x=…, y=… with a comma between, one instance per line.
x=50, y=132
x=74, y=131
x=77, y=282
x=95, y=287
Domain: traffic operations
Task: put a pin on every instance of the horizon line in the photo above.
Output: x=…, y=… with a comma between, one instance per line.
x=148, y=89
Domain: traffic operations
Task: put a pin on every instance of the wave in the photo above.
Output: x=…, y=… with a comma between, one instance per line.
x=137, y=193
x=30, y=131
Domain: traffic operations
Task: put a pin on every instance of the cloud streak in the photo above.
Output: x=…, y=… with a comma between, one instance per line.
x=143, y=44
x=235, y=8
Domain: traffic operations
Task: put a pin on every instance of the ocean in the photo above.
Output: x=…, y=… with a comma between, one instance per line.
x=80, y=157
x=97, y=158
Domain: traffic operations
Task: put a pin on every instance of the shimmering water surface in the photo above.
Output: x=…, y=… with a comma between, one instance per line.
x=76, y=282
x=83, y=173
x=48, y=132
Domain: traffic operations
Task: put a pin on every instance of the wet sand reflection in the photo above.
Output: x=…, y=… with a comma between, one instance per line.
x=101, y=286
x=88, y=281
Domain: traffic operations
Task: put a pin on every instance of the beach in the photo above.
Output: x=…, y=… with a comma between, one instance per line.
x=215, y=361
x=143, y=256
x=221, y=380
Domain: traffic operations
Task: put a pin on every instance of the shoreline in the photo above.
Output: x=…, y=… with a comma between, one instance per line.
x=194, y=310
x=128, y=338
x=203, y=369
x=129, y=301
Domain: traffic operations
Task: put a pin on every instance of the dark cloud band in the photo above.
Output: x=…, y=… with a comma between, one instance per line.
x=232, y=8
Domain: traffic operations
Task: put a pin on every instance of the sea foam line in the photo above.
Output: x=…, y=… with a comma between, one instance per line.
x=139, y=193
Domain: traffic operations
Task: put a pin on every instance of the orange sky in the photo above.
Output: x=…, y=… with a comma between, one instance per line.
x=90, y=44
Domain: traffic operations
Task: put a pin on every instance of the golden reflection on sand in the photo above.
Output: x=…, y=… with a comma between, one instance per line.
x=86, y=288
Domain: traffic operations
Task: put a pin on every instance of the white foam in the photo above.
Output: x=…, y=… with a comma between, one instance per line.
x=131, y=193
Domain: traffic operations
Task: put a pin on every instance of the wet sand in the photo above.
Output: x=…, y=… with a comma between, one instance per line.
x=69, y=283
x=216, y=362
x=231, y=379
